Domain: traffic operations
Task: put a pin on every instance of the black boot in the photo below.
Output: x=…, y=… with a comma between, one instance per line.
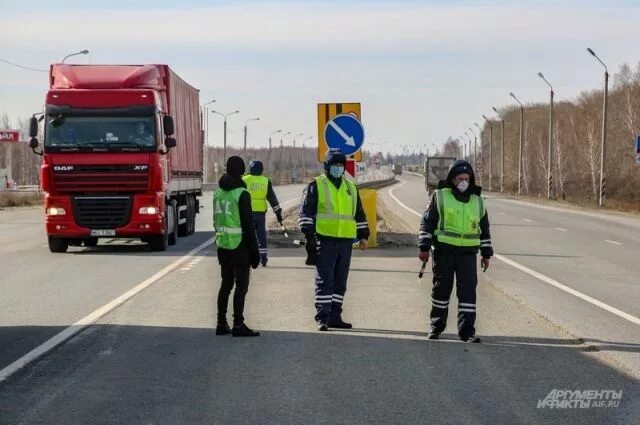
x=322, y=327
x=339, y=324
x=433, y=335
x=243, y=330
x=472, y=339
x=223, y=328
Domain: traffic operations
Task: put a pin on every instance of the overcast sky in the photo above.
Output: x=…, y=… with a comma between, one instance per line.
x=423, y=70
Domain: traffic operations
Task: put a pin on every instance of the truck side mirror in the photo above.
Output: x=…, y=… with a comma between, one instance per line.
x=33, y=128
x=170, y=142
x=167, y=125
x=33, y=134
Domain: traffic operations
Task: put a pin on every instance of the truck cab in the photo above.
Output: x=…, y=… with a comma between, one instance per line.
x=108, y=168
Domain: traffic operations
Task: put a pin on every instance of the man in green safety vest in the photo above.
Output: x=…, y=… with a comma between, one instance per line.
x=456, y=223
x=261, y=191
x=332, y=215
x=237, y=246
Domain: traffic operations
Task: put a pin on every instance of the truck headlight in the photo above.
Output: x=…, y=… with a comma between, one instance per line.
x=56, y=211
x=149, y=210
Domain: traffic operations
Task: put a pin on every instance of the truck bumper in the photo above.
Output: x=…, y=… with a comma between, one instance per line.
x=139, y=225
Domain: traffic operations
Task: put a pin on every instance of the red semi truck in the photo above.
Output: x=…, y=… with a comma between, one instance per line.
x=122, y=155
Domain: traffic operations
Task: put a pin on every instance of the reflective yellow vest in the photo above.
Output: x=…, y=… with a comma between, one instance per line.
x=226, y=218
x=459, y=222
x=258, y=186
x=336, y=208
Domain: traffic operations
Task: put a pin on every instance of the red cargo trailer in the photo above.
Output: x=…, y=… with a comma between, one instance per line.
x=122, y=155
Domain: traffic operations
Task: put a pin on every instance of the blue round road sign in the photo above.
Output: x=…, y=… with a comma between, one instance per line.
x=344, y=132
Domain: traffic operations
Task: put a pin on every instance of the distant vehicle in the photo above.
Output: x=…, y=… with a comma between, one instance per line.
x=122, y=155
x=397, y=169
x=436, y=168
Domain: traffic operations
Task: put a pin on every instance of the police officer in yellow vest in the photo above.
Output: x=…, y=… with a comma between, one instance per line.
x=456, y=223
x=237, y=246
x=332, y=214
x=261, y=192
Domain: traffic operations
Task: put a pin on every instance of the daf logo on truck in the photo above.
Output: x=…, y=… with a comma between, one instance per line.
x=63, y=168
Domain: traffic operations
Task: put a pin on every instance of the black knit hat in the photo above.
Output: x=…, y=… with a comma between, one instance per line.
x=235, y=166
x=462, y=168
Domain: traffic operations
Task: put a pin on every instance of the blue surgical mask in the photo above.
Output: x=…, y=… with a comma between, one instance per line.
x=336, y=171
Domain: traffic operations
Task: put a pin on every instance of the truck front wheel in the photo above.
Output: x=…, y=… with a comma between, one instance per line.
x=58, y=244
x=160, y=242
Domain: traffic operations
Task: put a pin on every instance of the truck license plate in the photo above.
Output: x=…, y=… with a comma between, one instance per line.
x=103, y=232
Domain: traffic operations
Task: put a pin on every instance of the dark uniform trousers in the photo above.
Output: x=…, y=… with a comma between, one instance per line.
x=464, y=266
x=260, y=223
x=332, y=271
x=239, y=276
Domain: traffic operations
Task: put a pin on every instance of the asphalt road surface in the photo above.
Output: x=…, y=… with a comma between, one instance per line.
x=155, y=358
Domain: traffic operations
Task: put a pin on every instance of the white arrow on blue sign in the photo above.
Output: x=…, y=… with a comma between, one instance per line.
x=344, y=132
x=638, y=150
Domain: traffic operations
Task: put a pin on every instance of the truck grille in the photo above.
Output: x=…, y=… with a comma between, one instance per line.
x=101, y=178
x=96, y=212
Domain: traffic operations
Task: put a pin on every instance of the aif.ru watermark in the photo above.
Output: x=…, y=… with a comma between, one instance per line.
x=581, y=399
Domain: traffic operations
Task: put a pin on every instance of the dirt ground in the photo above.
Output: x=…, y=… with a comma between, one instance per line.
x=20, y=199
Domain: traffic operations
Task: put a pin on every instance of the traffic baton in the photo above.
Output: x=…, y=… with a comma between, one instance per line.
x=284, y=231
x=422, y=269
x=299, y=242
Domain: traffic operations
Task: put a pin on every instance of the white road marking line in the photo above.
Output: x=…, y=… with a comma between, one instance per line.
x=91, y=318
x=402, y=182
x=557, y=284
x=291, y=200
x=561, y=229
x=613, y=242
x=571, y=291
x=609, y=217
x=526, y=220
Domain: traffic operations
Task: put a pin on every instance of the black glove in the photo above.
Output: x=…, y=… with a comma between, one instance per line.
x=310, y=247
x=279, y=216
x=255, y=260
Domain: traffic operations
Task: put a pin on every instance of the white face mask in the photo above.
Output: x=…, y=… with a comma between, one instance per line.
x=463, y=186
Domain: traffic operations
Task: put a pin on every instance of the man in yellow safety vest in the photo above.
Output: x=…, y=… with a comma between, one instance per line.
x=456, y=223
x=261, y=191
x=332, y=214
x=237, y=246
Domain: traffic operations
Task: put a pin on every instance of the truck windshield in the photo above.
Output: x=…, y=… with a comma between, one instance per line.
x=89, y=133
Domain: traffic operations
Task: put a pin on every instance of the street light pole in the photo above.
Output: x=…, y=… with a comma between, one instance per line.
x=81, y=52
x=501, y=152
x=282, y=135
x=269, y=152
x=304, y=157
x=294, y=144
x=521, y=146
x=205, y=153
x=224, y=149
x=603, y=146
x=549, y=173
x=490, y=152
x=244, y=152
x=475, y=148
